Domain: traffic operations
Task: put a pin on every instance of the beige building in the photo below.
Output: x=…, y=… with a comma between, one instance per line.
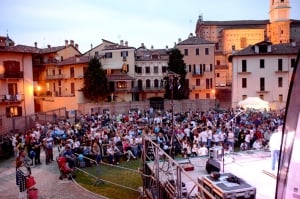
x=150, y=70
x=199, y=57
x=264, y=70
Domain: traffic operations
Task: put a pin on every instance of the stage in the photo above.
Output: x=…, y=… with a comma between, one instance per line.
x=251, y=166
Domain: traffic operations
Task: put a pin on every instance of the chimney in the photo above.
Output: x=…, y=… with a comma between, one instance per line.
x=76, y=46
x=167, y=47
x=72, y=42
x=126, y=43
x=35, y=44
x=122, y=43
x=49, y=46
x=152, y=47
x=191, y=35
x=179, y=40
x=66, y=43
x=142, y=45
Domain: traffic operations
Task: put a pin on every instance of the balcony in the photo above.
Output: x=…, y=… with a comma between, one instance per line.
x=11, y=99
x=12, y=75
x=54, y=77
x=281, y=71
x=262, y=92
x=147, y=89
x=197, y=73
x=244, y=73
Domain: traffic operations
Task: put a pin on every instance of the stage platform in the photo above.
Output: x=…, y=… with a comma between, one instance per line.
x=251, y=166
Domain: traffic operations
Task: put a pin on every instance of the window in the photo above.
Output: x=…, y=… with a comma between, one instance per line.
x=108, y=55
x=280, y=81
x=243, y=42
x=293, y=63
x=186, y=52
x=13, y=111
x=197, y=82
x=244, y=65
x=279, y=64
x=233, y=47
x=12, y=88
x=96, y=54
x=138, y=69
x=164, y=69
x=244, y=82
x=197, y=96
x=155, y=69
x=148, y=83
x=156, y=83
x=211, y=67
x=218, y=62
x=261, y=63
x=280, y=98
x=124, y=53
x=206, y=51
x=217, y=74
x=72, y=73
x=217, y=46
x=190, y=67
x=72, y=88
x=208, y=83
x=197, y=51
x=121, y=84
x=147, y=69
x=207, y=95
x=262, y=84
x=244, y=97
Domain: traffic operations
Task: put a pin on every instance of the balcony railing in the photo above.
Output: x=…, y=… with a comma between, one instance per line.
x=52, y=77
x=7, y=98
x=16, y=75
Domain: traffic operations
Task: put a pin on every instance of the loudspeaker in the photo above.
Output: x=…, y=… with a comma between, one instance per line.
x=212, y=165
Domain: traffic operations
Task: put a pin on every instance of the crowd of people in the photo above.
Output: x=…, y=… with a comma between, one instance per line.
x=107, y=138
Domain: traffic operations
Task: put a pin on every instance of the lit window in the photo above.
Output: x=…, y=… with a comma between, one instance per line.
x=121, y=84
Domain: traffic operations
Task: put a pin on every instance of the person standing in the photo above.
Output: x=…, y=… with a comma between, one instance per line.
x=22, y=173
x=275, y=144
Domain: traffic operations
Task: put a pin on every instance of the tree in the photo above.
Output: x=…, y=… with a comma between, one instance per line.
x=177, y=86
x=95, y=81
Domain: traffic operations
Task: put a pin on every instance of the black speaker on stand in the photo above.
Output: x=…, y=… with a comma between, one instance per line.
x=212, y=165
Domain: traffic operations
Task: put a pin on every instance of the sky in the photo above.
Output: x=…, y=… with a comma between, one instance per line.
x=153, y=22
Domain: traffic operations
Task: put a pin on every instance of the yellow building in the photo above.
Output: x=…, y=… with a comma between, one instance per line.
x=231, y=36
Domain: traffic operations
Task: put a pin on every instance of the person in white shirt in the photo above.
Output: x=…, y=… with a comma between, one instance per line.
x=204, y=136
x=202, y=151
x=275, y=144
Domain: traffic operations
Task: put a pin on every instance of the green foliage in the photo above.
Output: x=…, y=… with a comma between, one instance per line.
x=178, y=85
x=95, y=82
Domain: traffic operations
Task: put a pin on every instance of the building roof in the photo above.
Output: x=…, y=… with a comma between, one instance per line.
x=116, y=77
x=235, y=22
x=74, y=60
x=276, y=49
x=144, y=54
x=192, y=40
x=21, y=49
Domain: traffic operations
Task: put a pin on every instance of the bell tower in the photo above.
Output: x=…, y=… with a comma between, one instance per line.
x=279, y=27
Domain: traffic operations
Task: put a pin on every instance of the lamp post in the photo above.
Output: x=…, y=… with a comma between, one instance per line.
x=171, y=76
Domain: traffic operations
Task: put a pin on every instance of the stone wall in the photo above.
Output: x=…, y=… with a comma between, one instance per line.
x=124, y=107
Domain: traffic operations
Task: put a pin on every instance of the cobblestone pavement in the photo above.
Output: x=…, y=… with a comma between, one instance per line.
x=48, y=183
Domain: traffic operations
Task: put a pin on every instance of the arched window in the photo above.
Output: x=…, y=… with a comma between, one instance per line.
x=148, y=83
x=156, y=83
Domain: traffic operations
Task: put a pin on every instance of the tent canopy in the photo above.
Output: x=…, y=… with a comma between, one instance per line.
x=254, y=103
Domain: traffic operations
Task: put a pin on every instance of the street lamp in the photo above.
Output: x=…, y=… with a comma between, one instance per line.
x=172, y=76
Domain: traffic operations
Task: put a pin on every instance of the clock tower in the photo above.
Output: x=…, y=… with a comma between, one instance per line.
x=279, y=27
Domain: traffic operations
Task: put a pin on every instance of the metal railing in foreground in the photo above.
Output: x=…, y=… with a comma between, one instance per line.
x=166, y=176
